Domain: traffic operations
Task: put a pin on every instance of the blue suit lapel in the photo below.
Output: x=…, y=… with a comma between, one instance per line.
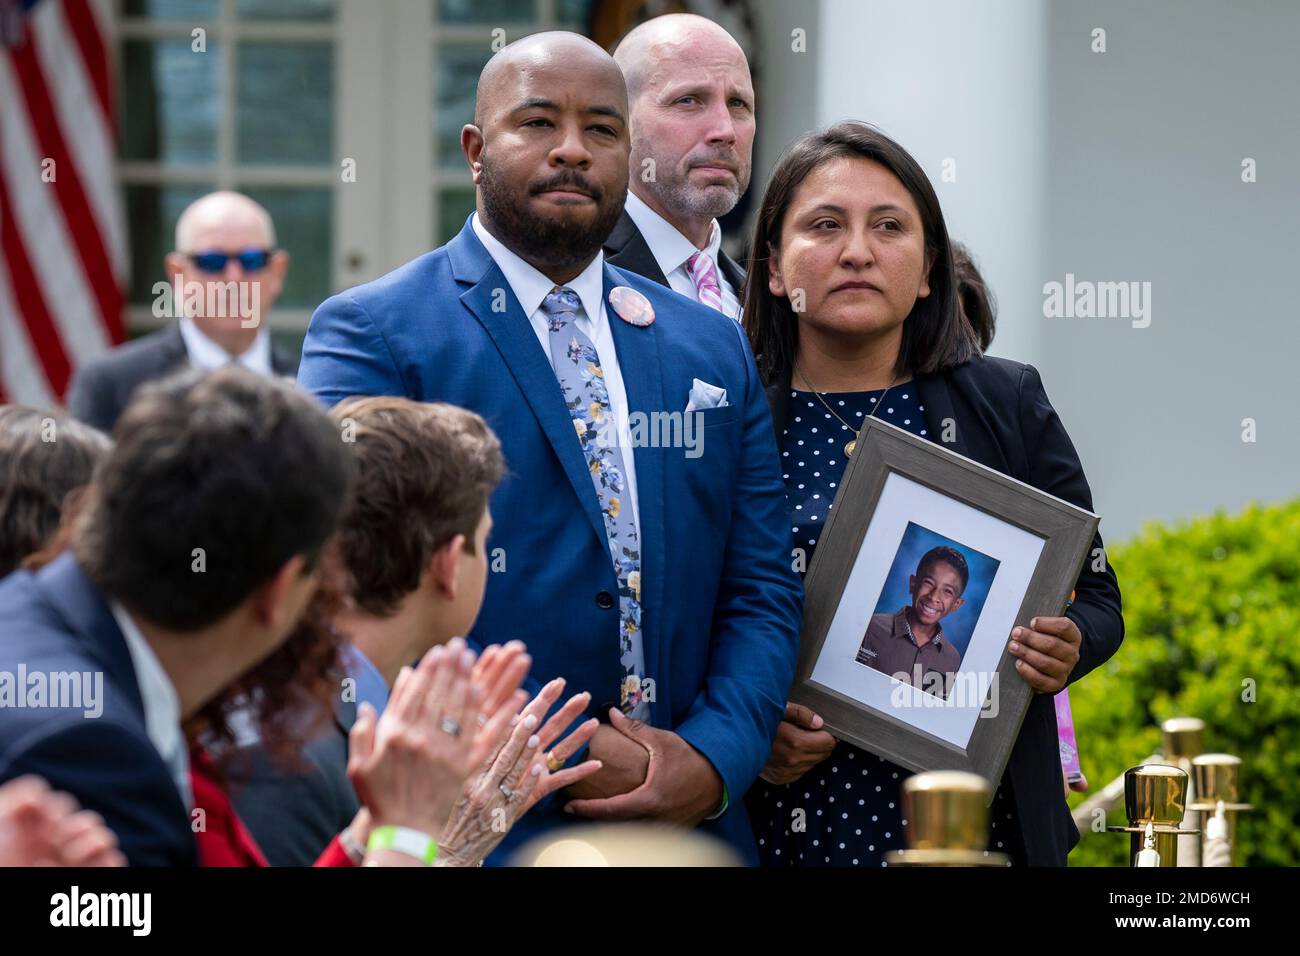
x=513, y=335
x=641, y=365
x=84, y=609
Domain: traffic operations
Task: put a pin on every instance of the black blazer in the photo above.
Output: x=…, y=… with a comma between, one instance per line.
x=627, y=249
x=57, y=621
x=293, y=815
x=1004, y=420
x=101, y=389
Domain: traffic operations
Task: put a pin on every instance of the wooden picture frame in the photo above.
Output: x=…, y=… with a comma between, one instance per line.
x=928, y=472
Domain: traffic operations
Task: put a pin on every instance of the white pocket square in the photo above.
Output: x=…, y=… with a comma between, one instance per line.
x=704, y=396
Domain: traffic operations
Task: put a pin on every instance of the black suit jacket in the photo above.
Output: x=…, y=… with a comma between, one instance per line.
x=628, y=249
x=294, y=814
x=57, y=622
x=101, y=389
x=1004, y=420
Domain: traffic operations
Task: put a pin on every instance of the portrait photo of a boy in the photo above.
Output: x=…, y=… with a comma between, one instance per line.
x=922, y=623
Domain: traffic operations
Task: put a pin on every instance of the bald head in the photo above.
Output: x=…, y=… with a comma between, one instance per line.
x=548, y=150
x=222, y=212
x=225, y=249
x=691, y=102
x=671, y=37
x=510, y=69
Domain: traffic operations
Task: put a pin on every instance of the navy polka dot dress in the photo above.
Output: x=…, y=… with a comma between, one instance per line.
x=850, y=804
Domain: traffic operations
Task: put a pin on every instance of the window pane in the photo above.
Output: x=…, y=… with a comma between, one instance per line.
x=152, y=212
x=193, y=10
x=573, y=12
x=304, y=227
x=454, y=206
x=288, y=340
x=458, y=69
x=169, y=101
x=287, y=9
x=485, y=11
x=286, y=103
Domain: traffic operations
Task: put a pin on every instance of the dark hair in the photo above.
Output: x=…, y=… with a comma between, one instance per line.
x=230, y=474
x=425, y=473
x=946, y=555
x=935, y=335
x=974, y=297
x=45, y=457
x=289, y=696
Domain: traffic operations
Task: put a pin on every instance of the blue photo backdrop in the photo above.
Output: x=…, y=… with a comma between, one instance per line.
x=959, y=626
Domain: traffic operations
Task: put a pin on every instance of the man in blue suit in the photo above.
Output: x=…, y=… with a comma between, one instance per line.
x=641, y=539
x=192, y=563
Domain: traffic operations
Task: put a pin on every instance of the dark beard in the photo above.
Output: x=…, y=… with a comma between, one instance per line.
x=560, y=242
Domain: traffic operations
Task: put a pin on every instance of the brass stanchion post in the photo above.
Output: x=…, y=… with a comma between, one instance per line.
x=947, y=818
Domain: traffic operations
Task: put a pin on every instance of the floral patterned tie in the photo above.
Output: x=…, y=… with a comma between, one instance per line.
x=582, y=380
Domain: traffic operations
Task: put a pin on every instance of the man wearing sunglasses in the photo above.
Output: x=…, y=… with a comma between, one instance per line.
x=223, y=278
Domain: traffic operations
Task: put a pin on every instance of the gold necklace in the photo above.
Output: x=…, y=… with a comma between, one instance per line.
x=853, y=442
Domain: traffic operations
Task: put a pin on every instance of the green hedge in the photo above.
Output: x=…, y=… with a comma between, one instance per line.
x=1212, y=625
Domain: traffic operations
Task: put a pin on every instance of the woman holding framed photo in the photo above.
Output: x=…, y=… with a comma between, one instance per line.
x=851, y=307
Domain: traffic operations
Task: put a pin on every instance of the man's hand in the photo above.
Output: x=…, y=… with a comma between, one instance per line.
x=680, y=785
x=799, y=746
x=1047, y=653
x=624, y=763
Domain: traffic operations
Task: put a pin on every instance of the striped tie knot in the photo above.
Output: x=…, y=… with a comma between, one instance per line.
x=705, y=276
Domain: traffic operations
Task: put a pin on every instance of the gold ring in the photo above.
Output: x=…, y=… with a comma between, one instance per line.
x=553, y=763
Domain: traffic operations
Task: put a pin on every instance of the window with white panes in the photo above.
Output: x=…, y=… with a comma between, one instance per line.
x=230, y=94
x=463, y=35
x=273, y=97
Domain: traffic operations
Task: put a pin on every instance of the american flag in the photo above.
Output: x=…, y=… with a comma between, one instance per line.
x=63, y=255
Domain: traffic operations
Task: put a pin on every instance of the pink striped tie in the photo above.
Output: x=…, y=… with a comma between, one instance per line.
x=705, y=276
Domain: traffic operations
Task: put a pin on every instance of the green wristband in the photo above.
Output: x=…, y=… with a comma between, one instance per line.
x=404, y=840
x=726, y=801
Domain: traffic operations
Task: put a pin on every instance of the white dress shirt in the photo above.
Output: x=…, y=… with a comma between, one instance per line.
x=531, y=288
x=207, y=356
x=671, y=250
x=162, y=706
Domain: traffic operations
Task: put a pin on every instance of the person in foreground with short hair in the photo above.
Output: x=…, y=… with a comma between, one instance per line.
x=190, y=564
x=909, y=644
x=413, y=541
x=45, y=465
x=46, y=460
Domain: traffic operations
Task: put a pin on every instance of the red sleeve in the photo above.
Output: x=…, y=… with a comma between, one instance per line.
x=334, y=855
x=221, y=837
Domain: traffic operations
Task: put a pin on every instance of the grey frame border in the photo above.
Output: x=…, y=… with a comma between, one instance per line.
x=1068, y=532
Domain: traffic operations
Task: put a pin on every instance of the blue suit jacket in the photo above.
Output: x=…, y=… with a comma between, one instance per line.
x=721, y=603
x=56, y=621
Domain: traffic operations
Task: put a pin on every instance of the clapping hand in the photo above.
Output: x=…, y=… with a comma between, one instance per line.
x=410, y=765
x=43, y=827
x=517, y=773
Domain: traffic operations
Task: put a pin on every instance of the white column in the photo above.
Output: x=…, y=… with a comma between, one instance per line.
x=962, y=84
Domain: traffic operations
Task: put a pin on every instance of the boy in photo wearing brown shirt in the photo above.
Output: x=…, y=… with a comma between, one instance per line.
x=909, y=644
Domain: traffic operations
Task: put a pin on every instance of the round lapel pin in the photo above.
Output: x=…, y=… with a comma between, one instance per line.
x=632, y=307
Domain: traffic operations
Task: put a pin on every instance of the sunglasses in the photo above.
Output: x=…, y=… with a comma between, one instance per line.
x=250, y=260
